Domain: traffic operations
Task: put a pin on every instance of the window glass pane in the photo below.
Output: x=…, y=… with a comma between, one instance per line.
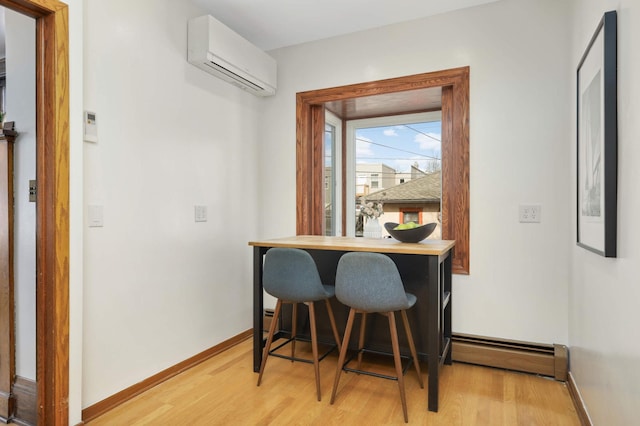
x=399, y=165
x=329, y=178
x=3, y=84
x=374, y=181
x=410, y=217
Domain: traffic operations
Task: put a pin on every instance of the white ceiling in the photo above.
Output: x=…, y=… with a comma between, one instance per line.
x=270, y=24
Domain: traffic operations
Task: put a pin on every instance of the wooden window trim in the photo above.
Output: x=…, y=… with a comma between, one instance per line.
x=455, y=151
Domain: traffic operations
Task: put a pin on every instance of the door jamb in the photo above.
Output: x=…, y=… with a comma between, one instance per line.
x=52, y=208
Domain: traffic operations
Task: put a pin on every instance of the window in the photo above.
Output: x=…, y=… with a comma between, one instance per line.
x=410, y=215
x=374, y=181
x=3, y=84
x=332, y=204
x=386, y=97
x=387, y=151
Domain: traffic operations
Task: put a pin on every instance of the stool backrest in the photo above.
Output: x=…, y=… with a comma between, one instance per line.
x=370, y=282
x=291, y=274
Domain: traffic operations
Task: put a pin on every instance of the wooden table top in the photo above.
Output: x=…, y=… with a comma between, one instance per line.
x=383, y=245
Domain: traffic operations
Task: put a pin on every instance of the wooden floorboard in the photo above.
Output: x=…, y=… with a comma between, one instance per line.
x=223, y=391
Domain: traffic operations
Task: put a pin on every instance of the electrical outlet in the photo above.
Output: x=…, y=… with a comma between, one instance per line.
x=530, y=213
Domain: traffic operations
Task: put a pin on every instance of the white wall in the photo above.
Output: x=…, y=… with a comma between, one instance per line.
x=605, y=293
x=21, y=108
x=158, y=287
x=520, y=148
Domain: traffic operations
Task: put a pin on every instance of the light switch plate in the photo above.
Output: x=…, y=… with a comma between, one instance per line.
x=200, y=213
x=96, y=217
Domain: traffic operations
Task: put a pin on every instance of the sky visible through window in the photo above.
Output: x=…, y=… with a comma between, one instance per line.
x=401, y=146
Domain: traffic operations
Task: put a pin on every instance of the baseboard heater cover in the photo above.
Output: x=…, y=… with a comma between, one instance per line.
x=543, y=359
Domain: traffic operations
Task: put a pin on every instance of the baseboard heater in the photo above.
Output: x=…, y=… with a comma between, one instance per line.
x=546, y=360
x=535, y=358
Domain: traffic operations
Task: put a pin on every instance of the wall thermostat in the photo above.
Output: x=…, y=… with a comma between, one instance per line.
x=90, y=127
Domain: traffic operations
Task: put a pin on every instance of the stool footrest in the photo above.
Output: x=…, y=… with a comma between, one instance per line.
x=408, y=364
x=272, y=352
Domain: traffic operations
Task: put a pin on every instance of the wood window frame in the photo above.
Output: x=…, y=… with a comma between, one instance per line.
x=52, y=208
x=455, y=151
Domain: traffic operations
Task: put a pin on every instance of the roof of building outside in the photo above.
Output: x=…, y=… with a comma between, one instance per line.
x=420, y=190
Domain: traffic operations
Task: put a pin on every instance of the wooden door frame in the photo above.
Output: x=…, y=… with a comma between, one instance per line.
x=7, y=310
x=52, y=209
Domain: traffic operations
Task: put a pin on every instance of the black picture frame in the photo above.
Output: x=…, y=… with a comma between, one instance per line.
x=597, y=141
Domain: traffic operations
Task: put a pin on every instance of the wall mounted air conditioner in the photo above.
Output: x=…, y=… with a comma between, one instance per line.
x=215, y=48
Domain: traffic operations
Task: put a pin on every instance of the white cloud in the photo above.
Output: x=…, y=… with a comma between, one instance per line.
x=363, y=149
x=390, y=132
x=430, y=142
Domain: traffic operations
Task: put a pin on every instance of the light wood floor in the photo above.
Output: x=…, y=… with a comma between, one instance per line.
x=223, y=391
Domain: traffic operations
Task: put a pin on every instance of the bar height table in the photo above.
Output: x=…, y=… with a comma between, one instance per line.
x=426, y=267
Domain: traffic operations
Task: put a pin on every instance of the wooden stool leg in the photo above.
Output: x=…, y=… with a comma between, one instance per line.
x=343, y=352
x=363, y=328
x=332, y=320
x=412, y=346
x=314, y=345
x=267, y=347
x=294, y=328
x=396, y=358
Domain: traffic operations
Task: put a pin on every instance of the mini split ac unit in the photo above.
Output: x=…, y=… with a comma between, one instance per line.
x=217, y=49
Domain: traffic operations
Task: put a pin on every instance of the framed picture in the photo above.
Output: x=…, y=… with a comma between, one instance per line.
x=597, y=130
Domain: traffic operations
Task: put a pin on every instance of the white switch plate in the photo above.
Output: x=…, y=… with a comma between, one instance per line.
x=530, y=213
x=200, y=213
x=96, y=217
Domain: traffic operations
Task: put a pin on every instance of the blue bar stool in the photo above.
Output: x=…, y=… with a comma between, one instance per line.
x=291, y=275
x=371, y=283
